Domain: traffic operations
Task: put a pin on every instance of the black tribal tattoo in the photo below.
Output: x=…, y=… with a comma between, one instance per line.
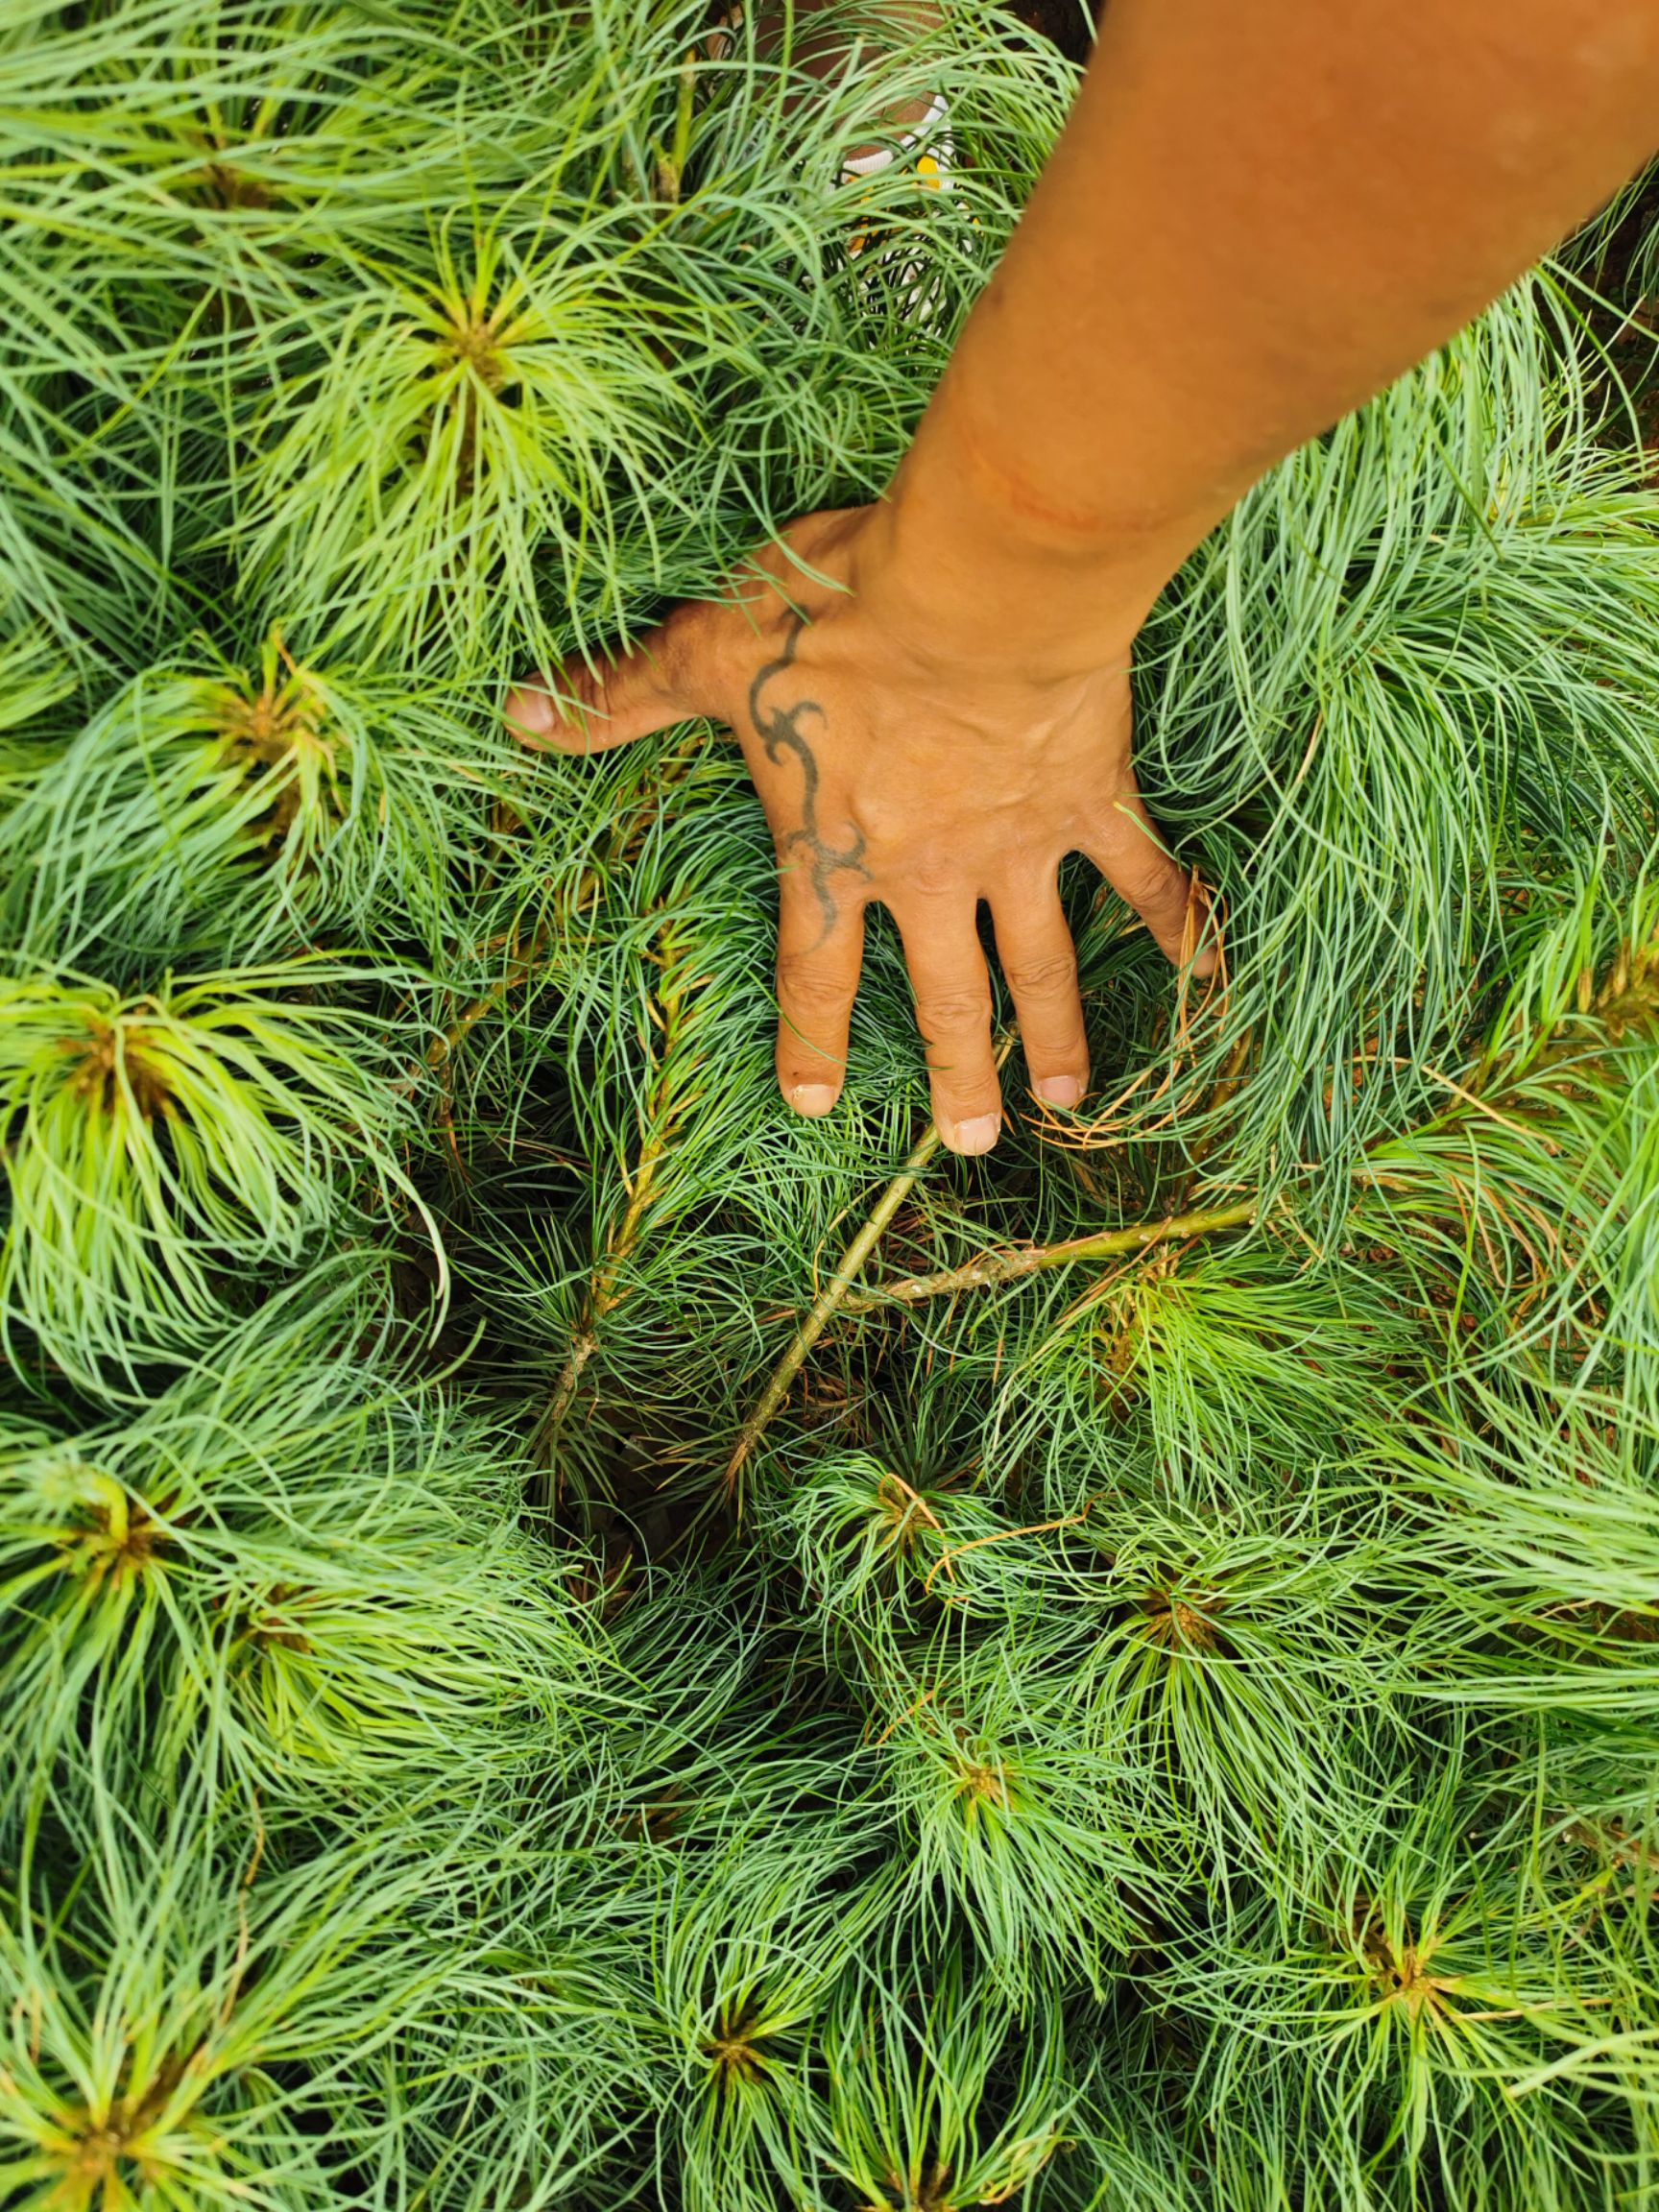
x=779, y=730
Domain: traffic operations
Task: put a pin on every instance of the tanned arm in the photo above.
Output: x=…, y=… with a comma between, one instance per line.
x=1260, y=212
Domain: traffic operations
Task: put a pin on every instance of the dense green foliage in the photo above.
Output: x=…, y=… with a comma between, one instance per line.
x=1149, y=1717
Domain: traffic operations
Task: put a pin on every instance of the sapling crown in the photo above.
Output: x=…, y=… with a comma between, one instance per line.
x=160, y=1146
x=938, y=2101
x=308, y=1589
x=459, y=434
x=243, y=809
x=1421, y=2001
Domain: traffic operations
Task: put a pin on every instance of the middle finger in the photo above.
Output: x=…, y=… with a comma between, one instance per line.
x=952, y=989
x=1039, y=966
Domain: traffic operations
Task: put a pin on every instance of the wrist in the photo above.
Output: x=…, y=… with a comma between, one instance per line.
x=948, y=590
x=968, y=545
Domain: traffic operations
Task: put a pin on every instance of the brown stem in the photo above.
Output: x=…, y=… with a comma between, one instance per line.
x=1633, y=1005
x=564, y=1389
x=519, y=970
x=831, y=1296
x=1010, y=1266
x=834, y=1292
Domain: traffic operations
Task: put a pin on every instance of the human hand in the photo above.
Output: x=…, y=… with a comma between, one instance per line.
x=897, y=765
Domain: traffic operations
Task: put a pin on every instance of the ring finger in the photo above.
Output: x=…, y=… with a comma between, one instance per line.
x=1039, y=966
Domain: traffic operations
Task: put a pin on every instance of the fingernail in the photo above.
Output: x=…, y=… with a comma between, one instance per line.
x=528, y=714
x=1059, y=1090
x=978, y=1135
x=814, y=1099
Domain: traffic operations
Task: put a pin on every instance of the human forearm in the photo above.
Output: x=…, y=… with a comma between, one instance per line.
x=1257, y=216
x=1263, y=211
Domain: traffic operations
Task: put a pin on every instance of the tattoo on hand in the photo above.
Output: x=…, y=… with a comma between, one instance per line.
x=779, y=730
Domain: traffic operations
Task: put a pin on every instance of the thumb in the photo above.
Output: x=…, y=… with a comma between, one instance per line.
x=582, y=707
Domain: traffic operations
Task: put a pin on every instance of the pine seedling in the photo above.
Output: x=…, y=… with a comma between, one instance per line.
x=466, y=426
x=178, y=2025
x=1411, y=2029
x=211, y=810
x=293, y=1571
x=196, y=178
x=748, y=1205
x=161, y=1150
x=941, y=2095
x=192, y=143
x=1214, y=1657
x=875, y=1550
x=1513, y=1208
x=1018, y=1828
x=728, y=171
x=749, y=1942
x=1176, y=1720
x=81, y=1578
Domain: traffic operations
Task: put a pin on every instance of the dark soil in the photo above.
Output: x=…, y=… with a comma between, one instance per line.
x=1624, y=312
x=1070, y=23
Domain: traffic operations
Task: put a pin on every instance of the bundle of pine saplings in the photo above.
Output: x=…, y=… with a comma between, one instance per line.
x=570, y=1640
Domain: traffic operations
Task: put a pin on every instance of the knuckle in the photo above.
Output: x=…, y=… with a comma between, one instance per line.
x=689, y=637
x=573, y=680
x=599, y=691
x=1052, y=976
x=807, y=981
x=947, y=1011
x=1155, y=887
x=968, y=1098
x=932, y=876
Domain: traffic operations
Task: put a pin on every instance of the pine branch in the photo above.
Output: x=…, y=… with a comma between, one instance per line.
x=1010, y=1266
x=668, y=1100
x=835, y=1294
x=1624, y=1002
